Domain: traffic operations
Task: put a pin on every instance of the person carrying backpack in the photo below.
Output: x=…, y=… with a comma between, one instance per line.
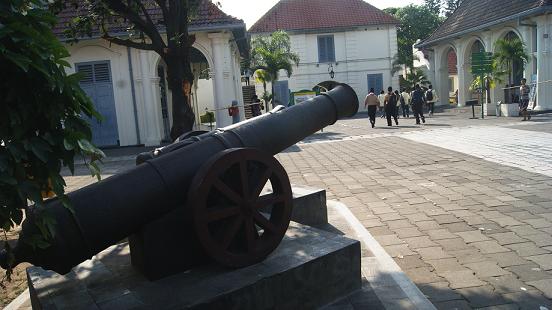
x=431, y=98
x=418, y=104
x=390, y=106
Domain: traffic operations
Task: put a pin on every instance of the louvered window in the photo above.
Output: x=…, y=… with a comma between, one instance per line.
x=326, y=49
x=87, y=73
x=94, y=72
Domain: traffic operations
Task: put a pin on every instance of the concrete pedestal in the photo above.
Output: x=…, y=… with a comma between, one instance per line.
x=310, y=268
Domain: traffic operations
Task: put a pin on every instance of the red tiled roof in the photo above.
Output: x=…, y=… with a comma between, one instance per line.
x=320, y=14
x=208, y=16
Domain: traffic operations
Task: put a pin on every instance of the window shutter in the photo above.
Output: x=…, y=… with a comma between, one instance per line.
x=322, y=52
x=330, y=48
x=87, y=73
x=101, y=72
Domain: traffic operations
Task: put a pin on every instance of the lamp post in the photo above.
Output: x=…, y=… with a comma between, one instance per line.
x=331, y=71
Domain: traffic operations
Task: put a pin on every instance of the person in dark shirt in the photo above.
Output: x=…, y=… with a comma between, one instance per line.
x=418, y=99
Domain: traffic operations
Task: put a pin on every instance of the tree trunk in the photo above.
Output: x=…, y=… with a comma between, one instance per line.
x=273, y=96
x=266, y=103
x=179, y=72
x=180, y=83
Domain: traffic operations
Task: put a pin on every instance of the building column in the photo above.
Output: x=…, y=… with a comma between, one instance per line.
x=224, y=93
x=441, y=77
x=544, y=62
x=152, y=131
x=462, y=70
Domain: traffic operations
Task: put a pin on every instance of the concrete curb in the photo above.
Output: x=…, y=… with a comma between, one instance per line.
x=19, y=301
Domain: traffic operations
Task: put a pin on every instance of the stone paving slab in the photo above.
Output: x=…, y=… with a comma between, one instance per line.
x=462, y=234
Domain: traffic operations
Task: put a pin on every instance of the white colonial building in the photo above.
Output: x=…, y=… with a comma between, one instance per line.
x=475, y=27
x=352, y=38
x=129, y=87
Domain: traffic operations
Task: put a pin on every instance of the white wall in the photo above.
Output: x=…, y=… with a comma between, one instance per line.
x=358, y=52
x=146, y=82
x=96, y=50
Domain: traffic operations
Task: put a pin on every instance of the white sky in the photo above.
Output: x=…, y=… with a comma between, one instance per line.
x=251, y=10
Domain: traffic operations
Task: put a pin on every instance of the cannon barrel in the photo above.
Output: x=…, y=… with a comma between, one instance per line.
x=108, y=211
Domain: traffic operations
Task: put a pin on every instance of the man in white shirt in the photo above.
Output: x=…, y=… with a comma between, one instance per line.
x=405, y=103
x=381, y=98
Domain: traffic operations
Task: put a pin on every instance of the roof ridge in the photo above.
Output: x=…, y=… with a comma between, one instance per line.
x=302, y=15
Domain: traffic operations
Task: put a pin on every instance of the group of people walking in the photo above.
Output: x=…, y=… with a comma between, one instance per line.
x=390, y=102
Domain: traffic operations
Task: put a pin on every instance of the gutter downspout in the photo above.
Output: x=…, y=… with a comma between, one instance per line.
x=133, y=91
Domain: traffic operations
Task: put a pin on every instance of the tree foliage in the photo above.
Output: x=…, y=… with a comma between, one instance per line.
x=270, y=54
x=508, y=52
x=155, y=25
x=42, y=127
x=434, y=6
x=450, y=6
x=414, y=77
x=417, y=23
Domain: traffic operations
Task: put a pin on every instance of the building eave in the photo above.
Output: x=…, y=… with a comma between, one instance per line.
x=535, y=11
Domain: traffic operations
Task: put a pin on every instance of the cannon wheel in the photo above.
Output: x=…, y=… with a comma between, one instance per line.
x=231, y=216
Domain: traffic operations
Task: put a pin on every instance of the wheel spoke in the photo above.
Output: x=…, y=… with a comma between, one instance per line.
x=262, y=181
x=231, y=233
x=219, y=213
x=250, y=233
x=264, y=223
x=268, y=200
x=244, y=178
x=228, y=192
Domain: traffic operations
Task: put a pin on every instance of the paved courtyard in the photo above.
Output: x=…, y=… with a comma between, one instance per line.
x=463, y=206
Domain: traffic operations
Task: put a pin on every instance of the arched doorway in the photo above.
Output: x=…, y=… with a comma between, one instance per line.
x=517, y=66
x=469, y=77
x=201, y=95
x=449, y=75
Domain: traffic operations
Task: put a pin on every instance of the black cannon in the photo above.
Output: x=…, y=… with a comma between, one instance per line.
x=216, y=179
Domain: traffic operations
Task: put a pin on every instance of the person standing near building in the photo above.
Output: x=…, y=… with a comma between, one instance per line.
x=390, y=105
x=418, y=104
x=405, y=103
x=371, y=103
x=524, y=91
x=381, y=98
x=431, y=98
x=255, y=106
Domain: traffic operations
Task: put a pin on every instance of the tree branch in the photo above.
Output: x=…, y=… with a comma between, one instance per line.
x=145, y=26
x=163, y=5
x=129, y=43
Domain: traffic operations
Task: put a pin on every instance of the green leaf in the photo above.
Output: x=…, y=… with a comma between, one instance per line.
x=86, y=146
x=68, y=144
x=40, y=148
x=18, y=59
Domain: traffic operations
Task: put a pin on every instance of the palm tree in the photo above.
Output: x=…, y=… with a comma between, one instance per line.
x=415, y=76
x=508, y=52
x=271, y=54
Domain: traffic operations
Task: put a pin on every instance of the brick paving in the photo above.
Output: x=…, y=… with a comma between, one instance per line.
x=471, y=233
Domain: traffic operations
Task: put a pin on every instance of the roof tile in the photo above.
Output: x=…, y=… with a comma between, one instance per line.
x=473, y=13
x=208, y=15
x=320, y=14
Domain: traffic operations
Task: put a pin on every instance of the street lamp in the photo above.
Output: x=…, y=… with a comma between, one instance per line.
x=331, y=71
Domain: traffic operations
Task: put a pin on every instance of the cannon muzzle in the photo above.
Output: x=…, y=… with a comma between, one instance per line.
x=108, y=211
